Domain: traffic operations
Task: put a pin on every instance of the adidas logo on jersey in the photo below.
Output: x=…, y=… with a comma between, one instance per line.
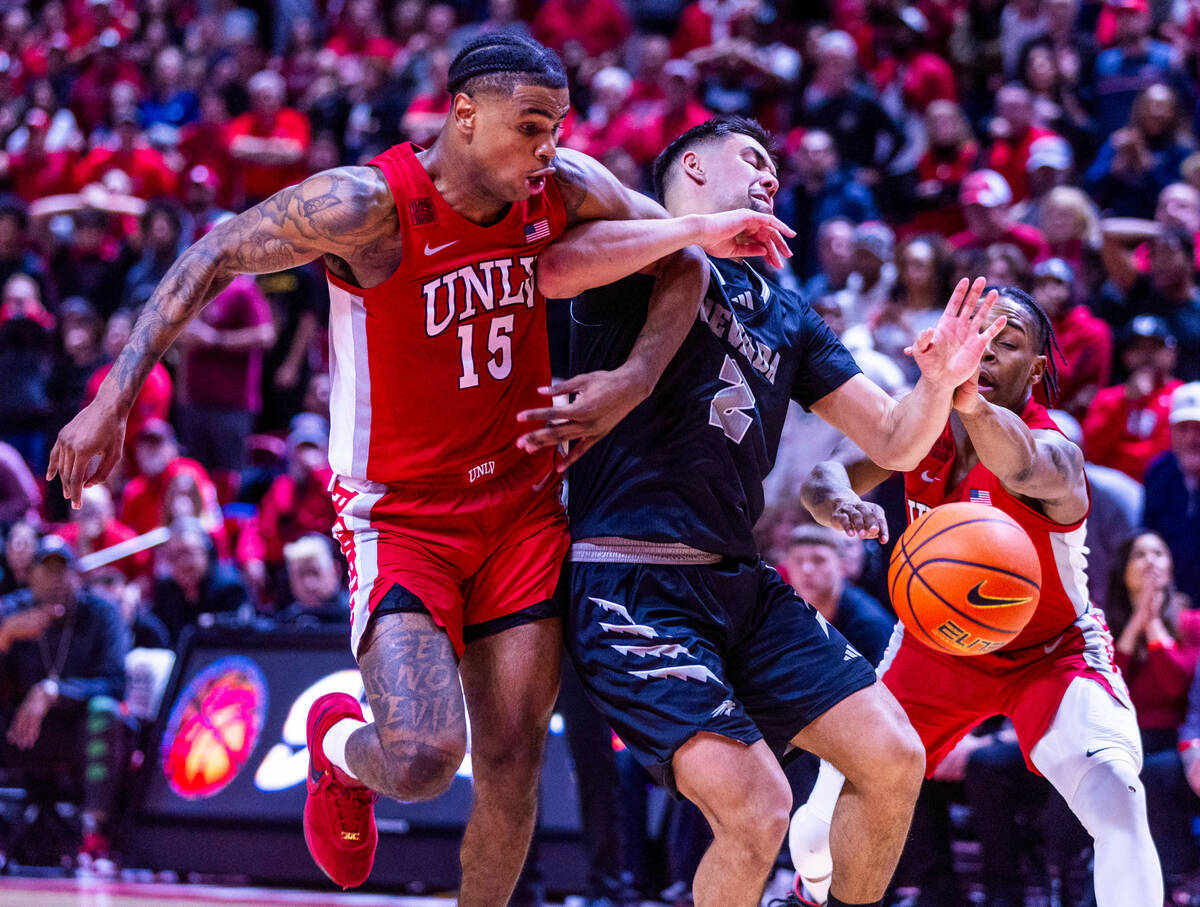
x=851, y=652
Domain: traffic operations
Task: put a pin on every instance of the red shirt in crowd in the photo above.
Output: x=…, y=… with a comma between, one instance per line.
x=646, y=129
x=1159, y=682
x=146, y=168
x=260, y=181
x=207, y=144
x=1026, y=238
x=949, y=172
x=35, y=176
x=378, y=46
x=1127, y=434
x=223, y=378
x=113, y=533
x=289, y=510
x=1009, y=157
x=152, y=402
x=1087, y=348
x=142, y=502
x=599, y=25
x=925, y=78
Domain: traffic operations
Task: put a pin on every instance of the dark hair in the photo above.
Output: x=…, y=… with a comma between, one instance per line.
x=11, y=206
x=165, y=207
x=718, y=127
x=1118, y=606
x=943, y=264
x=502, y=60
x=813, y=534
x=1045, y=343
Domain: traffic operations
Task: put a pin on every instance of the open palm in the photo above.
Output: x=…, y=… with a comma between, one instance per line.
x=948, y=354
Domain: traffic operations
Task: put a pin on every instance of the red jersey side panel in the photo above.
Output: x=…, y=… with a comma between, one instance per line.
x=1060, y=548
x=431, y=367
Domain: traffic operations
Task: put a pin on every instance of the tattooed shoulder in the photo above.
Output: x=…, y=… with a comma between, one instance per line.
x=572, y=183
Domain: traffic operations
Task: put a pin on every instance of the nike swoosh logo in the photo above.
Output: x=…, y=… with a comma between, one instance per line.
x=926, y=477
x=979, y=600
x=435, y=249
x=1050, y=647
x=1091, y=753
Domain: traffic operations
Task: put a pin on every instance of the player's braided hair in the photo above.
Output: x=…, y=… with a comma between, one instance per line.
x=503, y=59
x=1046, y=341
x=717, y=127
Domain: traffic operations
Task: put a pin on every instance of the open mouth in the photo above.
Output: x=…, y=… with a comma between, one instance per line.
x=762, y=197
x=536, y=182
x=985, y=383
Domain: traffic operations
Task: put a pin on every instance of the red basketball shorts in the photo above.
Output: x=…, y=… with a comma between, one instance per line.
x=945, y=696
x=472, y=552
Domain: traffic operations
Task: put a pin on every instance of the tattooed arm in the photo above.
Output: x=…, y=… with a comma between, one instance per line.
x=604, y=398
x=346, y=214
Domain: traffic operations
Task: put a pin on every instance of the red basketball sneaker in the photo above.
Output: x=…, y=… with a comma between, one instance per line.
x=339, y=814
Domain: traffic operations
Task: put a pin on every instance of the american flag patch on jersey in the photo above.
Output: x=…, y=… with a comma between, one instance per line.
x=981, y=497
x=536, y=231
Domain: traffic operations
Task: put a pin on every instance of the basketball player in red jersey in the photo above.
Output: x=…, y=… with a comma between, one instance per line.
x=1056, y=680
x=453, y=534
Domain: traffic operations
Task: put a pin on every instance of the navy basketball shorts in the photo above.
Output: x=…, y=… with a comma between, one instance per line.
x=667, y=651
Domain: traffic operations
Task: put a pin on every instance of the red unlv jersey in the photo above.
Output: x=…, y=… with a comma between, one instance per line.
x=431, y=367
x=1060, y=548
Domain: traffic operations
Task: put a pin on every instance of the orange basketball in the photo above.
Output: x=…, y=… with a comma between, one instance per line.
x=964, y=578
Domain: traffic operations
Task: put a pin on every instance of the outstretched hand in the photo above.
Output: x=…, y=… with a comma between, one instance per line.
x=745, y=234
x=597, y=402
x=948, y=354
x=86, y=451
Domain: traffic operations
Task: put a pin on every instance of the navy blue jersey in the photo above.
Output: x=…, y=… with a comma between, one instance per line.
x=687, y=465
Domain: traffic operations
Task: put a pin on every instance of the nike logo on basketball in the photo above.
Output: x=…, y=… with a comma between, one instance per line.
x=979, y=600
x=1091, y=753
x=435, y=249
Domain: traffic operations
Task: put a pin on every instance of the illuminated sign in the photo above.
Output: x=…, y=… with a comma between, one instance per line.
x=213, y=727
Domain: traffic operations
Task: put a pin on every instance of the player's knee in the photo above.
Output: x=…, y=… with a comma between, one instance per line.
x=756, y=819
x=897, y=765
x=422, y=770
x=1111, y=798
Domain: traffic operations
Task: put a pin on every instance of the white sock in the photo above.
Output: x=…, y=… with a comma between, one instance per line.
x=334, y=744
x=808, y=835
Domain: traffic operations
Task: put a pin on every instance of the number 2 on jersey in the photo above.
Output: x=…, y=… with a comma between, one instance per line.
x=499, y=366
x=728, y=408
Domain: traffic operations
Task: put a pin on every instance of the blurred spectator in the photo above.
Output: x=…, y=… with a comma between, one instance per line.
x=20, y=543
x=93, y=527
x=1186, y=803
x=1085, y=343
x=1006, y=265
x=20, y=492
x=427, y=111
x=1133, y=64
x=299, y=309
x=170, y=101
x=220, y=377
x=1055, y=102
x=1071, y=227
x=835, y=257
x=91, y=91
x=611, y=90
x=987, y=208
x=92, y=264
x=951, y=155
x=26, y=361
x=1169, y=290
x=162, y=235
x=1137, y=162
x=870, y=283
x=813, y=565
x=1020, y=22
x=360, y=33
x=35, y=169
x=205, y=142
x=158, y=462
x=1173, y=490
x=149, y=174
x=297, y=502
x=1157, y=649
x=645, y=129
x=1048, y=166
x=599, y=26
x=80, y=335
x=64, y=651
x=146, y=630
x=269, y=141
x=817, y=189
x=1127, y=425
x=838, y=102
x=1013, y=132
x=201, y=191
x=193, y=585
x=315, y=582
x=16, y=255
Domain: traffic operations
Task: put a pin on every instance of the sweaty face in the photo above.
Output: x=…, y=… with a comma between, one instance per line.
x=739, y=173
x=1010, y=362
x=513, y=139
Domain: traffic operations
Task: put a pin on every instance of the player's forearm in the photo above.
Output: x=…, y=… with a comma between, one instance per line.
x=190, y=284
x=913, y=426
x=827, y=486
x=682, y=281
x=1007, y=448
x=601, y=252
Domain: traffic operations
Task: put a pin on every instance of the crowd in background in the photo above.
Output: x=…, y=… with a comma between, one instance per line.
x=1050, y=144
